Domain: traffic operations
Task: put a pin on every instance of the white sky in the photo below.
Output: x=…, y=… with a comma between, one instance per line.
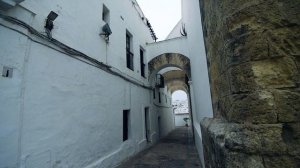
x=162, y=14
x=179, y=95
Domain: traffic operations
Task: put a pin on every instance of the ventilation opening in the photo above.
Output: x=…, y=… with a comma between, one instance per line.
x=7, y=72
x=105, y=14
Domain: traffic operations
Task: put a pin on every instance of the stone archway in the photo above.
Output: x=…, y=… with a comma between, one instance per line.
x=169, y=60
x=176, y=78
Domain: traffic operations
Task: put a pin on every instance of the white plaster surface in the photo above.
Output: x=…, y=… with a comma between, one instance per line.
x=179, y=122
x=175, y=45
x=202, y=106
x=165, y=112
x=57, y=111
x=11, y=96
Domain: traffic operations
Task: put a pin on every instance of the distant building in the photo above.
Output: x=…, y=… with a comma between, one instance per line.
x=181, y=112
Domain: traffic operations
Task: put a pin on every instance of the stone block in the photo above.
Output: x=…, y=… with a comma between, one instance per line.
x=240, y=145
x=215, y=127
x=255, y=139
x=257, y=107
x=225, y=105
x=250, y=46
x=287, y=105
x=243, y=139
x=241, y=78
x=235, y=49
x=275, y=73
x=297, y=60
x=212, y=139
x=280, y=162
x=291, y=136
x=241, y=160
x=223, y=85
x=271, y=139
x=282, y=42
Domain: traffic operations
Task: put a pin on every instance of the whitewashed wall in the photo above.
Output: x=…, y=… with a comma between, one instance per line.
x=79, y=25
x=164, y=111
x=179, y=122
x=11, y=96
x=200, y=89
x=57, y=111
x=175, y=45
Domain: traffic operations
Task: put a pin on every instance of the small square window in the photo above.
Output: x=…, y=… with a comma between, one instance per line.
x=7, y=72
x=105, y=14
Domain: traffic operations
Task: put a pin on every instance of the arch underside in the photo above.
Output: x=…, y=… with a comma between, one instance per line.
x=169, y=60
x=175, y=78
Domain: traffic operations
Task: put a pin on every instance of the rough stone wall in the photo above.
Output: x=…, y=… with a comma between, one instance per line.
x=253, y=52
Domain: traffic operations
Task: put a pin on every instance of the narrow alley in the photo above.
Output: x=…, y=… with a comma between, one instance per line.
x=177, y=150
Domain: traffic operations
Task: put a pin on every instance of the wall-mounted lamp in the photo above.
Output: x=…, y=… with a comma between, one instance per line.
x=49, y=23
x=106, y=32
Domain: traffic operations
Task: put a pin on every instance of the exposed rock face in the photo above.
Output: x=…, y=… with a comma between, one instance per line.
x=253, y=52
x=233, y=145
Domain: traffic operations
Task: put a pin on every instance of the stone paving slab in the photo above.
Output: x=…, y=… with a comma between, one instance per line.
x=177, y=150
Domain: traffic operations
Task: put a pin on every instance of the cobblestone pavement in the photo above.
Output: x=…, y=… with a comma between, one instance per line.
x=177, y=150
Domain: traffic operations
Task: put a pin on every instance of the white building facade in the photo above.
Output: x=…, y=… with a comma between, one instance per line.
x=81, y=98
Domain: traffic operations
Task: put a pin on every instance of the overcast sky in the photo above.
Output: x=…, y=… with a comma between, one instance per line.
x=179, y=95
x=162, y=14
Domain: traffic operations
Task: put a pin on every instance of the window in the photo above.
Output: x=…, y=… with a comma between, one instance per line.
x=105, y=14
x=142, y=62
x=154, y=96
x=129, y=54
x=125, y=124
x=7, y=72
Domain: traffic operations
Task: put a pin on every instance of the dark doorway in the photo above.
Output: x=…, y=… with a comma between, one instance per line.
x=147, y=124
x=125, y=124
